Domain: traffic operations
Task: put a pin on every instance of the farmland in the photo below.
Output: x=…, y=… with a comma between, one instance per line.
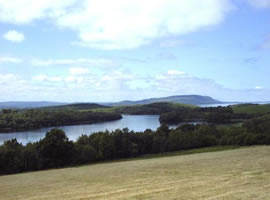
x=242, y=173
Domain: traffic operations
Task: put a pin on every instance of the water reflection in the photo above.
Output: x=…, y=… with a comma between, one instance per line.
x=132, y=122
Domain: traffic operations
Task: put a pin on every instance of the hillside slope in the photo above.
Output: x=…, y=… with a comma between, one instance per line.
x=233, y=174
x=28, y=104
x=77, y=106
x=183, y=99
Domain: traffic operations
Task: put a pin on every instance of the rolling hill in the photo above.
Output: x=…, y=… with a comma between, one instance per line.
x=183, y=99
x=77, y=106
x=28, y=104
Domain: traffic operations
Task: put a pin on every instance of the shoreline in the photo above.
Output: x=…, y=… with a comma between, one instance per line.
x=68, y=124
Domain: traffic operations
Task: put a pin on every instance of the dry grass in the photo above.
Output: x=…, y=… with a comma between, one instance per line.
x=233, y=174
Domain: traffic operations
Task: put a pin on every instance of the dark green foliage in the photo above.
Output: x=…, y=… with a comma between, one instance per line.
x=214, y=115
x=220, y=115
x=30, y=157
x=160, y=139
x=76, y=106
x=11, y=157
x=85, y=153
x=187, y=127
x=172, y=117
x=201, y=136
x=153, y=108
x=259, y=124
x=13, y=120
x=55, y=150
x=254, y=109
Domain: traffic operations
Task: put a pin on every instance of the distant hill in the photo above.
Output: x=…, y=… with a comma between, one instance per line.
x=28, y=104
x=78, y=106
x=183, y=99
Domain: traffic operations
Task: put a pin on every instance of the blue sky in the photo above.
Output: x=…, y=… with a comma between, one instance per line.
x=98, y=50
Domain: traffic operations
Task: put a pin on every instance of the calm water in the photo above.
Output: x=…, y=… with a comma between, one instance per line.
x=132, y=122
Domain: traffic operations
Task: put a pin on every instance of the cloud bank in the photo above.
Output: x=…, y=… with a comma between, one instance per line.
x=89, y=61
x=119, y=24
x=88, y=86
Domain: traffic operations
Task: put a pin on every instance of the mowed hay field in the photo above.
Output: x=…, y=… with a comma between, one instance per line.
x=233, y=174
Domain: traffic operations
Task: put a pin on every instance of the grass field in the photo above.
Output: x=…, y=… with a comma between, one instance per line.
x=233, y=174
x=252, y=108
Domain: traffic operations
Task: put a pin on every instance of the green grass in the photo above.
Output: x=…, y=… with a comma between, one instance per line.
x=242, y=173
x=187, y=152
x=252, y=108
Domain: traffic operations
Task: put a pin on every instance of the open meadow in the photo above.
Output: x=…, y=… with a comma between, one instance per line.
x=233, y=174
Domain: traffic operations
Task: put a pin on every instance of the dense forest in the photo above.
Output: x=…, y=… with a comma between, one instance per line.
x=216, y=115
x=56, y=150
x=17, y=120
x=153, y=108
x=173, y=113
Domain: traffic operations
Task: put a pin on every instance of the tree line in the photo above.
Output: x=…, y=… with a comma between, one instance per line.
x=17, y=120
x=216, y=115
x=56, y=150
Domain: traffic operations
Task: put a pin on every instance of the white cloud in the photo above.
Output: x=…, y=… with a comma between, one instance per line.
x=123, y=24
x=260, y=3
x=40, y=77
x=176, y=72
x=119, y=24
x=7, y=59
x=172, y=75
x=119, y=85
x=78, y=71
x=118, y=75
x=14, y=36
x=25, y=11
x=38, y=62
x=178, y=84
x=94, y=62
x=12, y=87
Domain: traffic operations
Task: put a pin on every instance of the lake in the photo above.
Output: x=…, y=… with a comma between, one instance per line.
x=132, y=122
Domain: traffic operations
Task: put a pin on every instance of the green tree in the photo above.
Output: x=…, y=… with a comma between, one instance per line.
x=55, y=150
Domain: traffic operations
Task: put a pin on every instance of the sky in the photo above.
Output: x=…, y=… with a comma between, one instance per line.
x=104, y=51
